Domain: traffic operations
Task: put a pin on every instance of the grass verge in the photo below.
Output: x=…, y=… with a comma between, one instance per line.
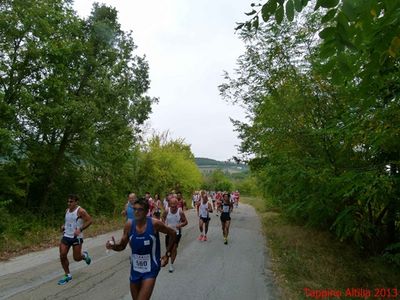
x=305, y=258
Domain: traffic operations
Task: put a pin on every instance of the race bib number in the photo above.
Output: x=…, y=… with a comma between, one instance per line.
x=141, y=263
x=225, y=208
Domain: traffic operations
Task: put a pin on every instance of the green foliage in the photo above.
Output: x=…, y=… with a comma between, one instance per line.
x=166, y=165
x=323, y=118
x=392, y=254
x=217, y=181
x=247, y=186
x=4, y=216
x=347, y=24
x=72, y=99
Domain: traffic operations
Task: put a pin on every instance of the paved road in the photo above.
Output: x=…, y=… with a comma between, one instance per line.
x=203, y=270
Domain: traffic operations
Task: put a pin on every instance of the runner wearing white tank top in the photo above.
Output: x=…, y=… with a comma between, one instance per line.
x=204, y=208
x=76, y=220
x=175, y=218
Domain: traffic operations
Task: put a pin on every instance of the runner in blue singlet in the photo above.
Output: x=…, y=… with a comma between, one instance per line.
x=142, y=234
x=128, y=210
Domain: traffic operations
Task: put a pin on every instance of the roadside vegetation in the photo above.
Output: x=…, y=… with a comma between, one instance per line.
x=322, y=93
x=304, y=257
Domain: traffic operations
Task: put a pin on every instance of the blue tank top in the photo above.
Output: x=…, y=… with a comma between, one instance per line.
x=145, y=258
x=129, y=212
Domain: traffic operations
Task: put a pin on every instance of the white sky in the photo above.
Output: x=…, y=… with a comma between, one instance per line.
x=188, y=44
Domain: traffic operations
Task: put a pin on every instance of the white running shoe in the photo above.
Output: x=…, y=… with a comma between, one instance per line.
x=171, y=268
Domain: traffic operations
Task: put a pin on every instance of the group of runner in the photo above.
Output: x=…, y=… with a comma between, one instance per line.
x=221, y=202
x=145, y=219
x=217, y=197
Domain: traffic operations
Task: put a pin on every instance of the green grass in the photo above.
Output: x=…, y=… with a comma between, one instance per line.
x=304, y=257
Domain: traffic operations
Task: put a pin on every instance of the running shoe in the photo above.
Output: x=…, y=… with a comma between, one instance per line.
x=65, y=279
x=87, y=258
x=200, y=238
x=171, y=268
x=205, y=238
x=225, y=241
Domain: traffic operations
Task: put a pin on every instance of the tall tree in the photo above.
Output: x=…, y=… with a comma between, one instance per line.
x=323, y=126
x=73, y=94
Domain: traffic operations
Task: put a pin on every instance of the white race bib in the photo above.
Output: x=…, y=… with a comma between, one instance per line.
x=141, y=263
x=225, y=208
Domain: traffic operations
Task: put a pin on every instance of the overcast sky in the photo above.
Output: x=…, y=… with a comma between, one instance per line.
x=188, y=44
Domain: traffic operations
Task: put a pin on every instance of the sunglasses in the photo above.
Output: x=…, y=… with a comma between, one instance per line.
x=139, y=209
x=70, y=201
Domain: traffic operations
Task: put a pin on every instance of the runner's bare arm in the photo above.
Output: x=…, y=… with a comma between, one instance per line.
x=121, y=245
x=161, y=227
x=183, y=221
x=210, y=208
x=87, y=220
x=124, y=210
x=164, y=215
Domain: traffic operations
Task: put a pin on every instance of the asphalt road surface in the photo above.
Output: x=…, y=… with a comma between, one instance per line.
x=203, y=270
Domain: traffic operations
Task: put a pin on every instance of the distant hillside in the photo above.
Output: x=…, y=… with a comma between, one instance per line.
x=201, y=161
x=208, y=165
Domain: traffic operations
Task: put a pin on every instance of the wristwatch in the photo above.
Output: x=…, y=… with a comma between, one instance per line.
x=168, y=254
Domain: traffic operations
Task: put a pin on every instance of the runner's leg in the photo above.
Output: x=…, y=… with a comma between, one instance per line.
x=227, y=224
x=77, y=252
x=201, y=225
x=135, y=288
x=143, y=290
x=206, y=227
x=174, y=252
x=64, y=257
x=200, y=238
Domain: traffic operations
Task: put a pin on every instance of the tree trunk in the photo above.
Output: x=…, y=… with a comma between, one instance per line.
x=54, y=169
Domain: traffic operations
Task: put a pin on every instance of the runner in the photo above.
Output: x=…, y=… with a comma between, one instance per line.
x=225, y=208
x=181, y=201
x=128, y=210
x=157, y=207
x=142, y=234
x=151, y=204
x=76, y=220
x=236, y=200
x=204, y=209
x=166, y=200
x=194, y=199
x=218, y=201
x=212, y=193
x=175, y=218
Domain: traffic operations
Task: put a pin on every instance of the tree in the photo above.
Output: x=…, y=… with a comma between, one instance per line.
x=322, y=127
x=218, y=181
x=166, y=165
x=73, y=98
